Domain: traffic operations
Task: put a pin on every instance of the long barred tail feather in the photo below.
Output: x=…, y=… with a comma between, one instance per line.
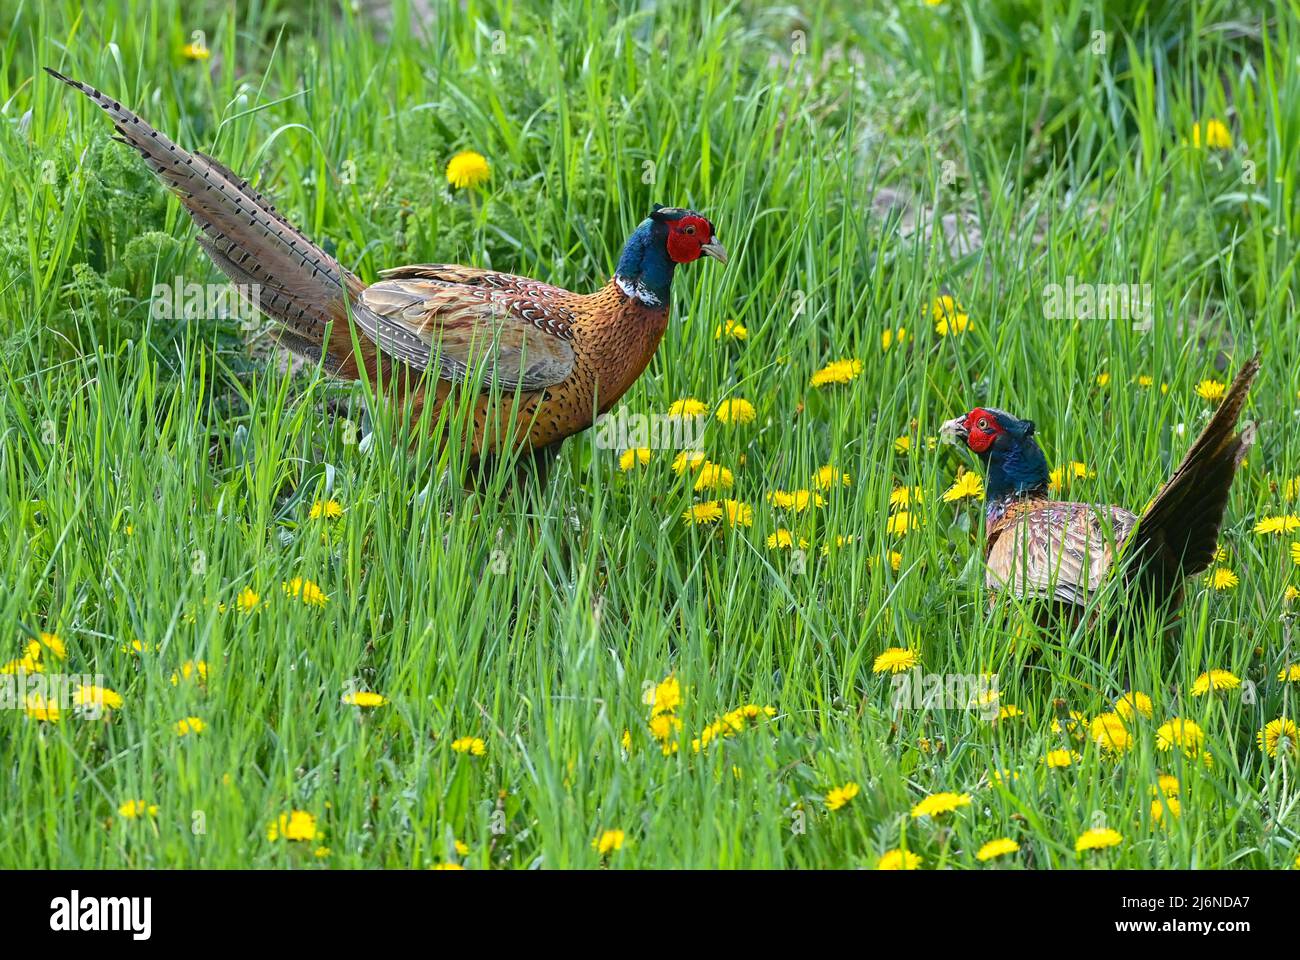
x=1177, y=535
x=298, y=284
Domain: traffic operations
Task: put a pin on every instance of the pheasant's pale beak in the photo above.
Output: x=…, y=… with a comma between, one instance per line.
x=954, y=431
x=715, y=250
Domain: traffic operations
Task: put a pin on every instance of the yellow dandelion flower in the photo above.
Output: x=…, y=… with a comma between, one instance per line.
x=688, y=407
x=828, y=477
x=1062, y=477
x=195, y=51
x=28, y=663
x=1211, y=390
x=1109, y=732
x=305, y=590
x=608, y=841
x=968, y=484
x=902, y=445
x=889, y=337
x=326, y=509
x=1180, y=733
x=1103, y=379
x=1290, y=673
x=702, y=513
x=736, y=411
x=1098, y=838
x=948, y=316
x=664, y=726
x=38, y=708
x=133, y=809
x=690, y=460
x=639, y=456
x=184, y=728
x=364, y=698
x=1277, y=734
x=1166, y=785
x=1075, y=725
x=901, y=522
x=714, y=476
x=732, y=330
x=664, y=697
x=937, y=804
x=448, y=865
x=1284, y=524
x=844, y=540
x=899, y=860
x=796, y=501
x=903, y=496
x=896, y=660
x=298, y=825
x=1133, y=701
x=54, y=644
x=1217, y=135
x=247, y=600
x=97, y=698
x=471, y=746
x=837, y=371
x=1215, y=680
x=468, y=169
x=954, y=325
x=1221, y=578
x=191, y=670
x=783, y=539
x=1009, y=712
x=838, y=797
x=738, y=513
x=1159, y=804
x=996, y=848
x=1056, y=759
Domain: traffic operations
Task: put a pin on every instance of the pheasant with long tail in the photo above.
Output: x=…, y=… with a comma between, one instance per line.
x=567, y=357
x=1042, y=549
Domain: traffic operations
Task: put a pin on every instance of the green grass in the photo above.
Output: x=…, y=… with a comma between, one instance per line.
x=151, y=468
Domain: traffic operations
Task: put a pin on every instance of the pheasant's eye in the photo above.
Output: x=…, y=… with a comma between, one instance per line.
x=689, y=231
x=983, y=424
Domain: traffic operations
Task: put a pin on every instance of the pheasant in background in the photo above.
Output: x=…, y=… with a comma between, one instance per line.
x=569, y=356
x=1043, y=549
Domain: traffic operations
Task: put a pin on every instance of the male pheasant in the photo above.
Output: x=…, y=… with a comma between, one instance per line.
x=568, y=357
x=1043, y=549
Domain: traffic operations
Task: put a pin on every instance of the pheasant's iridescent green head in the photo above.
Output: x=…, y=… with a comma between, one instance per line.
x=1006, y=444
x=669, y=236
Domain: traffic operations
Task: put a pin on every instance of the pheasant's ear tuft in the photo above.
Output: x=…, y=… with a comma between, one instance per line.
x=1029, y=428
x=662, y=214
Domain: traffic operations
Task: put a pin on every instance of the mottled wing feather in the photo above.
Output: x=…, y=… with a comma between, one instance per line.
x=1060, y=551
x=478, y=277
x=458, y=323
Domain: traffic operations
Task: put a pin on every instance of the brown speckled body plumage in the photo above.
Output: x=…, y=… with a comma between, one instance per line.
x=612, y=337
x=543, y=361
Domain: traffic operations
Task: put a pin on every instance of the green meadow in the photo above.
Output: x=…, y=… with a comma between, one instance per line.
x=325, y=651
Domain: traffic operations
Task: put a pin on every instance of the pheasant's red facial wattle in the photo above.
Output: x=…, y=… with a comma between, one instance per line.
x=982, y=429
x=687, y=237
